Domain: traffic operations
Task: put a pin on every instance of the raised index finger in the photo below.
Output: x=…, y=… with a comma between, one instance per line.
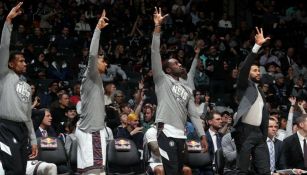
x=19, y=4
x=103, y=13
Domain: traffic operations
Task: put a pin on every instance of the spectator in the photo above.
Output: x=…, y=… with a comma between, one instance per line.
x=113, y=73
x=230, y=153
x=274, y=146
x=45, y=127
x=45, y=130
x=293, y=148
x=148, y=117
x=19, y=38
x=226, y=122
x=110, y=88
x=58, y=113
x=50, y=96
x=132, y=131
x=38, y=67
x=299, y=89
x=59, y=69
x=225, y=23
x=75, y=97
x=82, y=25
x=214, y=138
x=35, y=98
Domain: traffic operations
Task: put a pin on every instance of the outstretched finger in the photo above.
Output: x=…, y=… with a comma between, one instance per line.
x=261, y=31
x=267, y=38
x=156, y=10
x=165, y=16
x=105, y=18
x=160, y=11
x=103, y=13
x=19, y=5
x=257, y=30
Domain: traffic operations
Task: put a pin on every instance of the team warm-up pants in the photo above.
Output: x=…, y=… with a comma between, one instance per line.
x=172, y=153
x=13, y=147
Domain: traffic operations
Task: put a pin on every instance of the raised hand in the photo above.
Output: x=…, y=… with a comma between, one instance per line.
x=15, y=11
x=259, y=38
x=102, y=21
x=292, y=100
x=158, y=18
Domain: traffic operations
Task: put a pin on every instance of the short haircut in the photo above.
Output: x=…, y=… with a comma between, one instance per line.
x=13, y=55
x=211, y=115
x=61, y=95
x=301, y=119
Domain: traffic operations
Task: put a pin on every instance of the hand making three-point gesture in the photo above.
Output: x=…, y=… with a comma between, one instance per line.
x=158, y=19
x=259, y=38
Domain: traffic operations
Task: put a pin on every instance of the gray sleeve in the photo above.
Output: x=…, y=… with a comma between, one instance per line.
x=195, y=118
x=289, y=125
x=92, y=62
x=122, y=73
x=156, y=62
x=193, y=69
x=229, y=151
x=5, y=47
x=68, y=143
x=107, y=78
x=32, y=135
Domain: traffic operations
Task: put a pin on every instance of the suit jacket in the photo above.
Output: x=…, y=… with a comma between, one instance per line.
x=277, y=148
x=50, y=131
x=291, y=153
x=247, y=95
x=210, y=143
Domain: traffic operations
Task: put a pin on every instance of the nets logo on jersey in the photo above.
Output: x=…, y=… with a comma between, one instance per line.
x=180, y=93
x=23, y=91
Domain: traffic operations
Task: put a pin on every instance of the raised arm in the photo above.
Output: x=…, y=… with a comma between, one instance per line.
x=289, y=125
x=244, y=71
x=155, y=46
x=93, y=56
x=6, y=38
x=194, y=63
x=301, y=105
x=192, y=70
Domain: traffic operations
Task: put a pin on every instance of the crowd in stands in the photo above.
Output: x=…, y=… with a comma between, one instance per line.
x=55, y=37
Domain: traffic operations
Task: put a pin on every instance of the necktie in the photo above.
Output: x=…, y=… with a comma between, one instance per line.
x=305, y=154
x=44, y=133
x=218, y=141
x=272, y=155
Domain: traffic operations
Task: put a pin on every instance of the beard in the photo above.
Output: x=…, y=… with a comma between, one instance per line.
x=255, y=80
x=178, y=73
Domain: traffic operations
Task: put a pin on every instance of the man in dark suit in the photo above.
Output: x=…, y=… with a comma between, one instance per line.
x=288, y=60
x=251, y=123
x=274, y=145
x=214, y=138
x=45, y=129
x=294, y=150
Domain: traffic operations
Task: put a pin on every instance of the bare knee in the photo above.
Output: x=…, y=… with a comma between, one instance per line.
x=158, y=170
x=187, y=170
